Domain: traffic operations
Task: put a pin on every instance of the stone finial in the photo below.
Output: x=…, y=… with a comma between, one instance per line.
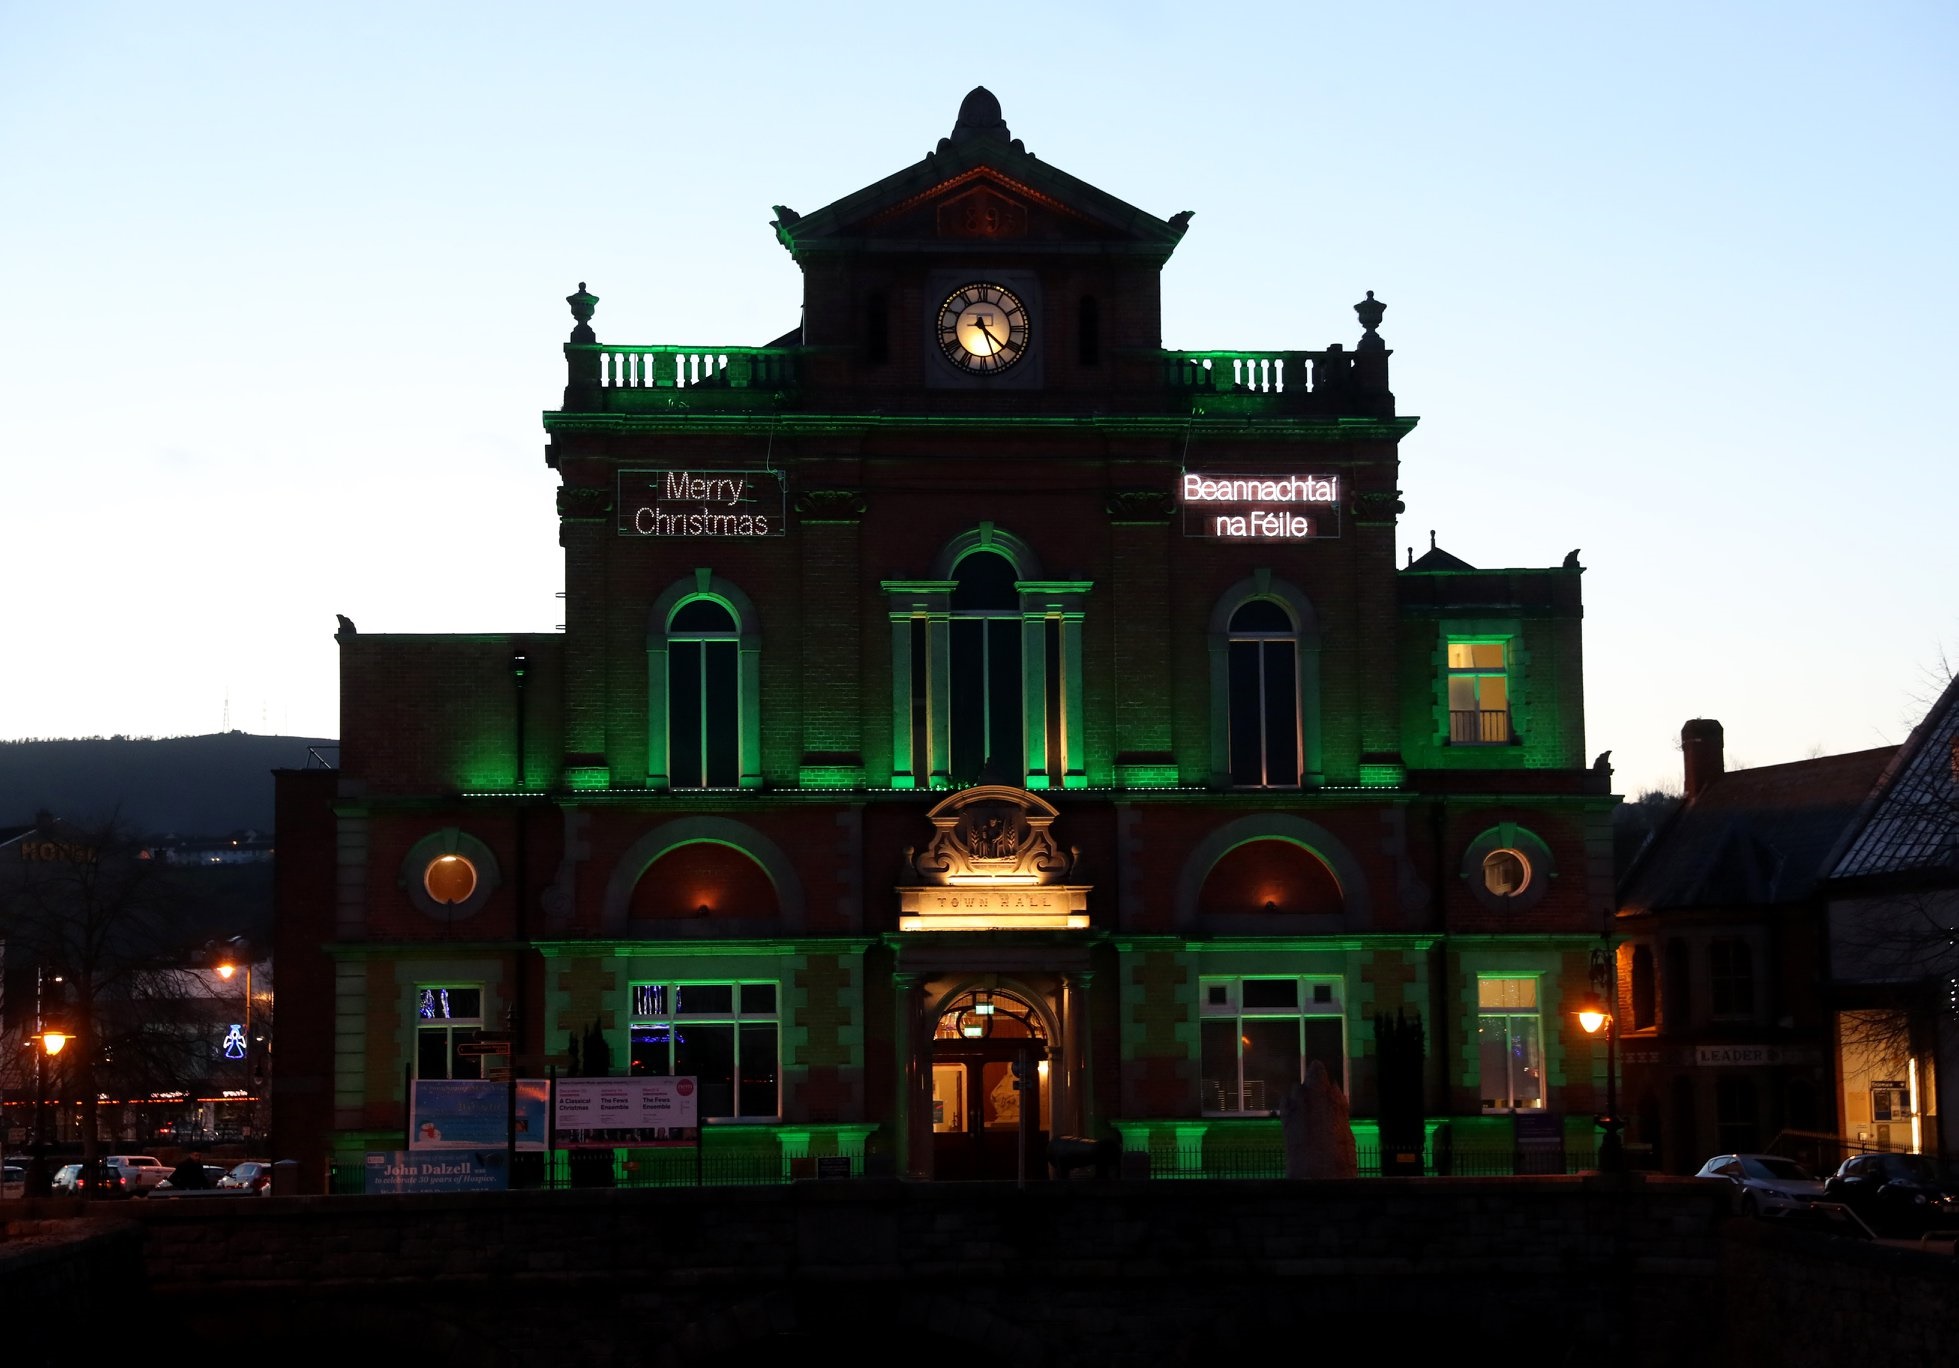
x=1369, y=311
x=979, y=117
x=583, y=305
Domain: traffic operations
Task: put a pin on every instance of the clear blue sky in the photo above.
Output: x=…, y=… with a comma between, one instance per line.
x=281, y=293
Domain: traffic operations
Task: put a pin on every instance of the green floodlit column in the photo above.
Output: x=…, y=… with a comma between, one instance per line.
x=904, y=765
x=750, y=715
x=904, y=990
x=656, y=715
x=938, y=684
x=1074, y=750
x=1034, y=697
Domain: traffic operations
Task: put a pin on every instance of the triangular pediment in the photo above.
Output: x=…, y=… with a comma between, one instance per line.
x=979, y=185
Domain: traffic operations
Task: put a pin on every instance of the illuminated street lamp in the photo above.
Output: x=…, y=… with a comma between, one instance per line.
x=1594, y=1014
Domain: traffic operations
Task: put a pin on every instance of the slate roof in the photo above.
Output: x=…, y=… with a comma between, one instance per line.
x=1912, y=824
x=1754, y=837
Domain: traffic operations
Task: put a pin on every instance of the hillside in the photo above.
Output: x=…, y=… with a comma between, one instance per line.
x=180, y=785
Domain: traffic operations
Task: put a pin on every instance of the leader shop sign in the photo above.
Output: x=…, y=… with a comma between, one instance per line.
x=702, y=505
x=1260, y=508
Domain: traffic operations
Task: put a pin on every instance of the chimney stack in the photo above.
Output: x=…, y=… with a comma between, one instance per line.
x=1702, y=754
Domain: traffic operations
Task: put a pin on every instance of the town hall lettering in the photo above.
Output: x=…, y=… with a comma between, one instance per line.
x=701, y=503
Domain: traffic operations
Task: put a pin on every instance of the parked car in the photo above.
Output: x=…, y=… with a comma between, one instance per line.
x=13, y=1181
x=72, y=1180
x=168, y=1187
x=1765, y=1185
x=1897, y=1195
x=253, y=1176
x=140, y=1172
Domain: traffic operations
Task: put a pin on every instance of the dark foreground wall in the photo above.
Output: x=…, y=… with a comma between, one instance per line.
x=1568, y=1270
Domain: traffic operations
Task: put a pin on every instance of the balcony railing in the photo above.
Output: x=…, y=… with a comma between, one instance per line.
x=617, y=367
x=611, y=377
x=1479, y=727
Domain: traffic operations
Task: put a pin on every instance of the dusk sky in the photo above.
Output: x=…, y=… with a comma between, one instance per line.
x=282, y=293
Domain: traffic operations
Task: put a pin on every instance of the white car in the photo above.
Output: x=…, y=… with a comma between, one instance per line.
x=1765, y=1184
x=140, y=1172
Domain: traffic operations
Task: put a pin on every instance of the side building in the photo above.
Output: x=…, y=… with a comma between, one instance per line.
x=964, y=680
x=1728, y=1039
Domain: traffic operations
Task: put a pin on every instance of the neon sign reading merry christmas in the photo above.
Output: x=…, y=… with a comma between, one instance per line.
x=1260, y=507
x=690, y=504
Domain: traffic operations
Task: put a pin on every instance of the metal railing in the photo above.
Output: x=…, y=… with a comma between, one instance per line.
x=1478, y=727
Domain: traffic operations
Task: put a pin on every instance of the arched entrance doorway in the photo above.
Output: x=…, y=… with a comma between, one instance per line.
x=990, y=1095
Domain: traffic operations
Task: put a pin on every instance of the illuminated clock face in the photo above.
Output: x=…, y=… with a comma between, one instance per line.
x=983, y=329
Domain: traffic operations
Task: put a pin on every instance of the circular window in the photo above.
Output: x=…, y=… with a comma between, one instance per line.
x=1508, y=868
x=450, y=879
x=448, y=875
x=1506, y=873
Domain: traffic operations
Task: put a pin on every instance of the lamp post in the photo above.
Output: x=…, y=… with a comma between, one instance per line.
x=236, y=955
x=1594, y=1013
x=48, y=1042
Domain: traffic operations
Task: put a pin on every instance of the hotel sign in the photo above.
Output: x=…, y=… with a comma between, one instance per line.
x=1260, y=508
x=697, y=505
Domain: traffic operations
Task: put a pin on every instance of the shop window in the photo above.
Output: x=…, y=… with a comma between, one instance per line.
x=1258, y=1035
x=1263, y=688
x=1731, y=979
x=1642, y=988
x=726, y=1036
x=1510, y=1044
x=447, y=1017
x=1479, y=693
x=1737, y=1123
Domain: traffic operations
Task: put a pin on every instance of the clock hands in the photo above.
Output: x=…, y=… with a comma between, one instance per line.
x=984, y=323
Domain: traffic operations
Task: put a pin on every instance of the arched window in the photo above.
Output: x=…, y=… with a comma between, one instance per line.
x=703, y=696
x=1265, y=652
x=703, y=663
x=986, y=673
x=987, y=702
x=1264, y=689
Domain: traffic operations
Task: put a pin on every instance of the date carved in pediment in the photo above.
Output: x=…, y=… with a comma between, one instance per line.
x=993, y=833
x=982, y=212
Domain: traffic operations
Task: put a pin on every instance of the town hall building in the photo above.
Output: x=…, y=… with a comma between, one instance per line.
x=963, y=691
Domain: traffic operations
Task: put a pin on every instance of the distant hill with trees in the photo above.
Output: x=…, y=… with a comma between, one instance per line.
x=153, y=787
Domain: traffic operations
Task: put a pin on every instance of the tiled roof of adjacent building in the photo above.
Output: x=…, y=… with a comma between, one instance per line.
x=1754, y=836
x=1913, y=823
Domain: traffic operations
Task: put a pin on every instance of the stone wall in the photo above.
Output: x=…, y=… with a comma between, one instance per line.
x=1113, y=1273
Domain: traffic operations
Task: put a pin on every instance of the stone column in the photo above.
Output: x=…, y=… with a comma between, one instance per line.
x=1081, y=1026
x=904, y=992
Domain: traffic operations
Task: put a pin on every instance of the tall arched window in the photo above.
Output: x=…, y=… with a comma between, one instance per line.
x=703, y=686
x=986, y=669
x=1264, y=696
x=703, y=696
x=987, y=702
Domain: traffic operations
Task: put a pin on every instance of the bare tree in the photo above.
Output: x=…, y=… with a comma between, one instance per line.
x=100, y=922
